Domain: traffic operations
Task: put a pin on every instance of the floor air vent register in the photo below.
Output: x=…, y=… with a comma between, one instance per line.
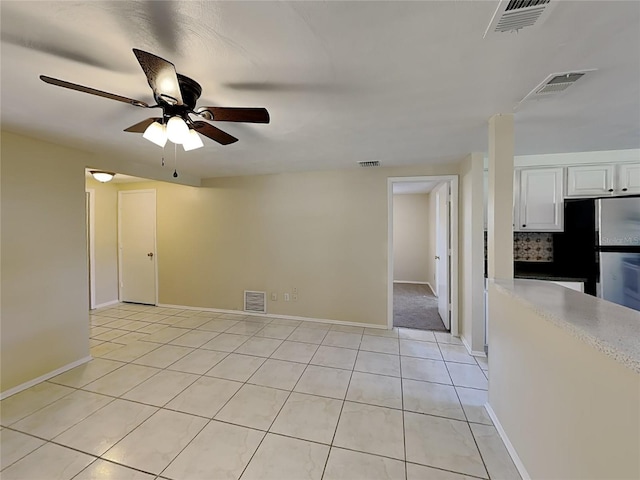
x=255, y=302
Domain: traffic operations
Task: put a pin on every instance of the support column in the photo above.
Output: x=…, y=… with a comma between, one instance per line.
x=500, y=208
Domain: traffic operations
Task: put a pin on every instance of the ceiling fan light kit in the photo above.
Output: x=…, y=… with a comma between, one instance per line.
x=176, y=95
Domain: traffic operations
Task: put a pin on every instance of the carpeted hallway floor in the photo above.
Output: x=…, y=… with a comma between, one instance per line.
x=415, y=306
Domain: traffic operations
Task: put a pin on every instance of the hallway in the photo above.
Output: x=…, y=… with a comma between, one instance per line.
x=415, y=306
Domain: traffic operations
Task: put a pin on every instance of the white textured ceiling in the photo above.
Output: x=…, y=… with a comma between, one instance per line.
x=400, y=82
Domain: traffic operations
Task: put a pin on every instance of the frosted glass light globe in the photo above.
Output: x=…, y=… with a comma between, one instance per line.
x=193, y=141
x=177, y=130
x=156, y=133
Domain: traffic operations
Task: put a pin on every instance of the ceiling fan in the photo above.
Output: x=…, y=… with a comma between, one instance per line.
x=176, y=95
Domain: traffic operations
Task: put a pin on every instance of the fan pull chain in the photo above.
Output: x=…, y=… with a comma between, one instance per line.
x=175, y=160
x=163, y=147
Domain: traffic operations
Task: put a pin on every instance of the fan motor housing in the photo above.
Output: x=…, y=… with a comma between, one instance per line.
x=190, y=90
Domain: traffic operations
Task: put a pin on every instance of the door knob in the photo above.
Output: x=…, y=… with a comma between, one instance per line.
x=150, y=254
x=437, y=257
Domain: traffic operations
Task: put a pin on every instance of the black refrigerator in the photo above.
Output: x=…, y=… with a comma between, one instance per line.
x=601, y=243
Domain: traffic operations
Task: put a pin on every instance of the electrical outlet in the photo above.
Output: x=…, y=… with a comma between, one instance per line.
x=294, y=290
x=294, y=297
x=274, y=297
x=286, y=297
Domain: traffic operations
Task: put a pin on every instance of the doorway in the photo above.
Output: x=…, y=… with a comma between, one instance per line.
x=423, y=253
x=137, y=246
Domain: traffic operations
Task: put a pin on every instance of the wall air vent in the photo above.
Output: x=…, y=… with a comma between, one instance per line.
x=372, y=163
x=512, y=15
x=255, y=302
x=553, y=85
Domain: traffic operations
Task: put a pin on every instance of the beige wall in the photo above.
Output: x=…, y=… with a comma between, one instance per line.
x=471, y=248
x=324, y=233
x=411, y=225
x=45, y=321
x=570, y=411
x=105, y=241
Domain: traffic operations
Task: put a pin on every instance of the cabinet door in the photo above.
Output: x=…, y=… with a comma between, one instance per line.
x=541, y=195
x=589, y=180
x=628, y=178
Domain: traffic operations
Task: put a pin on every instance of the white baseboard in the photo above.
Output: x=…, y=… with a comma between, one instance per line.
x=507, y=443
x=473, y=353
x=106, y=304
x=42, y=378
x=273, y=315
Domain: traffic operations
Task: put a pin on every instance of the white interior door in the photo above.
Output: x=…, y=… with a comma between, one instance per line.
x=442, y=253
x=137, y=245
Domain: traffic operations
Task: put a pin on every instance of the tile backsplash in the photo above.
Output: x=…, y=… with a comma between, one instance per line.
x=529, y=247
x=532, y=247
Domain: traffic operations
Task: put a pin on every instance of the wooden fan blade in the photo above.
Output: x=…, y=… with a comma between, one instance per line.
x=92, y=91
x=161, y=75
x=142, y=126
x=232, y=114
x=214, y=133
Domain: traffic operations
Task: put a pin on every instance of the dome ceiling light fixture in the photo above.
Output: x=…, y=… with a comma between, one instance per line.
x=102, y=176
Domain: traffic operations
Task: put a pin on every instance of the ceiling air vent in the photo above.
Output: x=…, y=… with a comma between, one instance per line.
x=371, y=163
x=558, y=83
x=255, y=302
x=512, y=15
x=553, y=85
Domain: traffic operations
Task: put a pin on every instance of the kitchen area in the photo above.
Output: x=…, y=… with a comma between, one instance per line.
x=577, y=224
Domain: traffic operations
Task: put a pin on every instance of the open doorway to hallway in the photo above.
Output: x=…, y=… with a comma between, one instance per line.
x=422, y=253
x=116, y=228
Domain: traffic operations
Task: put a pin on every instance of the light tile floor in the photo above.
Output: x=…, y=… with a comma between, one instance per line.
x=190, y=395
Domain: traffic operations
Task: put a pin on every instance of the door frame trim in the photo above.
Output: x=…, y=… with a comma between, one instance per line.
x=155, y=239
x=453, y=227
x=443, y=194
x=92, y=247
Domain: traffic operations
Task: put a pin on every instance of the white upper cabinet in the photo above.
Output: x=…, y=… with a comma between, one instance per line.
x=539, y=202
x=629, y=178
x=601, y=180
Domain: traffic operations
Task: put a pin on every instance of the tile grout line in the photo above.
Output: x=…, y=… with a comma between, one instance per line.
x=162, y=407
x=209, y=419
x=467, y=422
x=335, y=431
x=272, y=422
x=404, y=430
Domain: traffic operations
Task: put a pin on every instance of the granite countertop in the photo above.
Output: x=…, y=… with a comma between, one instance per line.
x=610, y=328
